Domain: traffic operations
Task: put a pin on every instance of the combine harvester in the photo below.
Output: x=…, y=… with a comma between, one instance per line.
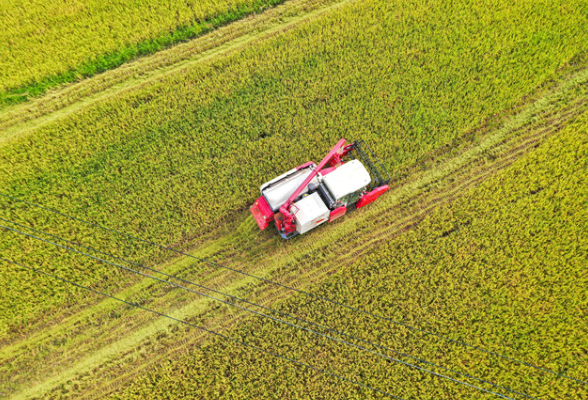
x=310, y=195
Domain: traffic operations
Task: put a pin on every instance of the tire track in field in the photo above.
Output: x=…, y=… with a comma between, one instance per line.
x=465, y=180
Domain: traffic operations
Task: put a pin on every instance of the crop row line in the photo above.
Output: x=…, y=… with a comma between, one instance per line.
x=260, y=349
x=232, y=302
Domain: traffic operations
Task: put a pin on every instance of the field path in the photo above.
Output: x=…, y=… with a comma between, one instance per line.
x=61, y=102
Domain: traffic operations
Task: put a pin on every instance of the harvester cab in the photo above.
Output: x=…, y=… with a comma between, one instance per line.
x=349, y=177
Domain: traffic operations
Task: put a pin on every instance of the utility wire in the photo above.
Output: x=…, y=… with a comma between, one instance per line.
x=322, y=371
x=458, y=342
x=421, y=369
x=276, y=312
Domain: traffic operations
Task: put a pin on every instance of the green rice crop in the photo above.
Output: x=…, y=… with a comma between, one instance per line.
x=48, y=43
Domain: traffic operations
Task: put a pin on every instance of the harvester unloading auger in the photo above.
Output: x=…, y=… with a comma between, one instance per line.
x=310, y=195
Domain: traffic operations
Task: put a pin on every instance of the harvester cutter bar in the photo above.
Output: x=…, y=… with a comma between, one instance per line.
x=380, y=175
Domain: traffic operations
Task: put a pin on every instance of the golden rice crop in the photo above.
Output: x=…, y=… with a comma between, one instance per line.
x=502, y=268
x=172, y=158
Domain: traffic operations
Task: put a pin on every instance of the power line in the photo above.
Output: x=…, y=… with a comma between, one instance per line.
x=322, y=371
x=274, y=311
x=421, y=369
x=454, y=341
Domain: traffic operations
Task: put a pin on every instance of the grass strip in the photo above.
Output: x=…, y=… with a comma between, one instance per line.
x=114, y=59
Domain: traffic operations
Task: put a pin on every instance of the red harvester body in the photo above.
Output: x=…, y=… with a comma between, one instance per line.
x=309, y=195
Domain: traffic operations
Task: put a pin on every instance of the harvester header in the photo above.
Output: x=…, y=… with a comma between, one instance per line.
x=349, y=177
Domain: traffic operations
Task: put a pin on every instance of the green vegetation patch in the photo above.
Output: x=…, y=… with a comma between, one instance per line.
x=56, y=42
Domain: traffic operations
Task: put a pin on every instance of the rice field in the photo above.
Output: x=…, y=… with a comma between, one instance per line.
x=501, y=268
x=178, y=160
x=48, y=43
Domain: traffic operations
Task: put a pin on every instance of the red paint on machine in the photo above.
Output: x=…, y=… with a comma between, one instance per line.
x=371, y=196
x=262, y=212
x=337, y=212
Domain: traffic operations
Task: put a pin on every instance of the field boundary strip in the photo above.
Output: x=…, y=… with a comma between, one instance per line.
x=59, y=103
